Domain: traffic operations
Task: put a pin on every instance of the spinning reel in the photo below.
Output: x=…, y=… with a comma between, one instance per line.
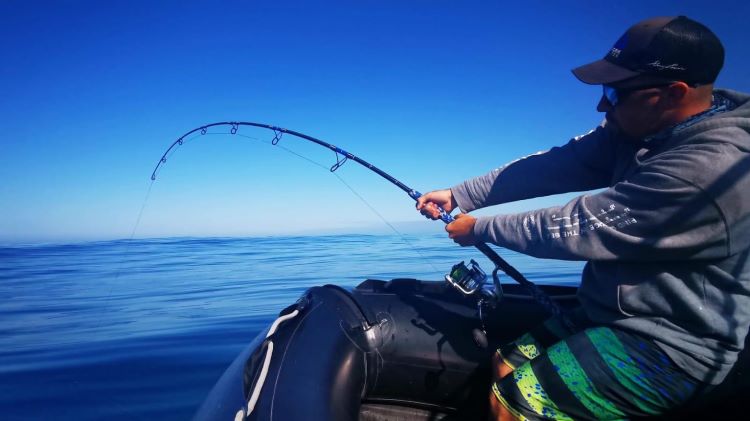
x=471, y=281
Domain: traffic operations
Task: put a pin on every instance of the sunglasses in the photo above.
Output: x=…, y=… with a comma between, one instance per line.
x=617, y=95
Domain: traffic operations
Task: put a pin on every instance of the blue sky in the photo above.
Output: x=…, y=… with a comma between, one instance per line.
x=432, y=92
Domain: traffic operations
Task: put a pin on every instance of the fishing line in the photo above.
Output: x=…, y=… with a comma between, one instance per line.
x=403, y=237
x=128, y=246
x=140, y=213
x=129, y=242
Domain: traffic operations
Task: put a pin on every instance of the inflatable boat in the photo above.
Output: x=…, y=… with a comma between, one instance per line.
x=402, y=349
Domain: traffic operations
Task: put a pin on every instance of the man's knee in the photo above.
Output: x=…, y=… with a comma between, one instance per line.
x=499, y=368
x=497, y=411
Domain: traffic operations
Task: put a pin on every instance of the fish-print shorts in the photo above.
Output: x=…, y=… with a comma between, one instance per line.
x=571, y=372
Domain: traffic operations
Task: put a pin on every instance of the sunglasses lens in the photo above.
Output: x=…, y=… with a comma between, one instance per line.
x=611, y=94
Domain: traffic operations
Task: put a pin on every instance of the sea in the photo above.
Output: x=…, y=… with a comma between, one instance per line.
x=142, y=329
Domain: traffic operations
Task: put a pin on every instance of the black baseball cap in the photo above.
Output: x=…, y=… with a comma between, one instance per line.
x=672, y=48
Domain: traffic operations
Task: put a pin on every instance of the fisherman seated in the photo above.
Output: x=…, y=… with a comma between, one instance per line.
x=665, y=292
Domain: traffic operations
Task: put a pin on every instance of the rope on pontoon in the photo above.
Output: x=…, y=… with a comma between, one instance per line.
x=244, y=412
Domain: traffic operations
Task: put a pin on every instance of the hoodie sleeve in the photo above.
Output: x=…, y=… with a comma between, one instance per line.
x=652, y=215
x=584, y=163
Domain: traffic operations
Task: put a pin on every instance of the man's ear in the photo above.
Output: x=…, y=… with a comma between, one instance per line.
x=677, y=93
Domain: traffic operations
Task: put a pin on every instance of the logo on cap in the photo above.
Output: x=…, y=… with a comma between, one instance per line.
x=658, y=66
x=619, y=46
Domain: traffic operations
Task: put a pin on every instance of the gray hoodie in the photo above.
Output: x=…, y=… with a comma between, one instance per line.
x=667, y=242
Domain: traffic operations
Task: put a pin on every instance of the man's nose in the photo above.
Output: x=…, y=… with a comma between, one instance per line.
x=604, y=106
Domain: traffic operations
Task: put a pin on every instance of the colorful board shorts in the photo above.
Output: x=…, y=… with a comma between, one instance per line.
x=574, y=373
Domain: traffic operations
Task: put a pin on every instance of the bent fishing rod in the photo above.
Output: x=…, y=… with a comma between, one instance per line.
x=341, y=157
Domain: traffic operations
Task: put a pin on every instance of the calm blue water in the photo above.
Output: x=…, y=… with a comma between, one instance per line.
x=142, y=329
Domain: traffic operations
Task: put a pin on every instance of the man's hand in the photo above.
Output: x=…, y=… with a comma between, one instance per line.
x=462, y=230
x=428, y=203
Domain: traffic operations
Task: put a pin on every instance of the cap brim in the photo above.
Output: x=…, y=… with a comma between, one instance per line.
x=602, y=72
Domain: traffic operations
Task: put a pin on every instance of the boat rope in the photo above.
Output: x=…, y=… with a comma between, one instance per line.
x=255, y=394
x=342, y=157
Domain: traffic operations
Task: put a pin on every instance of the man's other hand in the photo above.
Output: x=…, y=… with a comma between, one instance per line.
x=462, y=230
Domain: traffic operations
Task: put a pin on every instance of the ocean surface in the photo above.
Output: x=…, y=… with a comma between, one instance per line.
x=141, y=329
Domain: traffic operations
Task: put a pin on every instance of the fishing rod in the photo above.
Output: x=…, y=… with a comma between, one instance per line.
x=341, y=157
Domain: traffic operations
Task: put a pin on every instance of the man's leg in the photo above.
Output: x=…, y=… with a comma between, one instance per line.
x=598, y=373
x=523, y=349
x=499, y=370
x=498, y=412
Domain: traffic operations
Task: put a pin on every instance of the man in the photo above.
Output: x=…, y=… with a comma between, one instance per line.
x=665, y=294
